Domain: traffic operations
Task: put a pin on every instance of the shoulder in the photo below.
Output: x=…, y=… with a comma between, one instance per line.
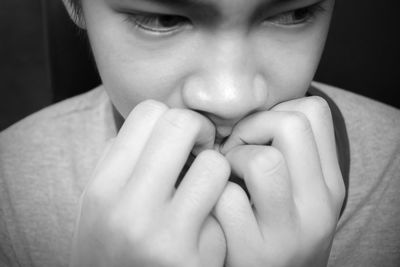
x=70, y=127
x=59, y=143
x=45, y=161
x=59, y=113
x=365, y=231
x=350, y=102
x=61, y=118
x=366, y=118
x=373, y=129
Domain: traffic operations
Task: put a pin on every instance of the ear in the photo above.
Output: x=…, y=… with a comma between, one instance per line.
x=75, y=15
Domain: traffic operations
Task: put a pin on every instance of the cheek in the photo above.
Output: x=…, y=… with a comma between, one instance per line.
x=129, y=81
x=131, y=75
x=289, y=63
x=132, y=71
x=292, y=74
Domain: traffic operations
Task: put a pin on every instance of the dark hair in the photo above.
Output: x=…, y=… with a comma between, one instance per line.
x=76, y=5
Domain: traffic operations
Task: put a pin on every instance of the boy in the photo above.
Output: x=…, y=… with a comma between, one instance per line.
x=223, y=83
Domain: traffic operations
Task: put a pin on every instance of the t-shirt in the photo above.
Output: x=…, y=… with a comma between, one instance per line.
x=47, y=159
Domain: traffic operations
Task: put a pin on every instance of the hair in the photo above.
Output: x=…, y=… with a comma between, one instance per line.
x=77, y=6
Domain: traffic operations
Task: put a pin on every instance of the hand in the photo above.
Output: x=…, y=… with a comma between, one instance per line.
x=131, y=213
x=295, y=185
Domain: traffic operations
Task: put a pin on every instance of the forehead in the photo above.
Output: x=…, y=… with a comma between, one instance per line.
x=213, y=9
x=216, y=2
x=218, y=5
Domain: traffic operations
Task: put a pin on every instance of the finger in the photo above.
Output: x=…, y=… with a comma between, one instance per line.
x=168, y=148
x=212, y=243
x=200, y=189
x=101, y=162
x=233, y=211
x=267, y=179
x=319, y=114
x=118, y=162
x=290, y=133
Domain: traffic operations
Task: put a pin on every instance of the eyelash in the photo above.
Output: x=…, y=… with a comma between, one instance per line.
x=307, y=14
x=152, y=22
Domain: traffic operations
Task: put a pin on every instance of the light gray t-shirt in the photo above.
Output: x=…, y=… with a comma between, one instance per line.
x=47, y=159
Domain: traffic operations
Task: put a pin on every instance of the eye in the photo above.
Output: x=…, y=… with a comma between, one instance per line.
x=297, y=16
x=158, y=23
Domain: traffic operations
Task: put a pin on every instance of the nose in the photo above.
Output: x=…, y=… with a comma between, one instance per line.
x=228, y=85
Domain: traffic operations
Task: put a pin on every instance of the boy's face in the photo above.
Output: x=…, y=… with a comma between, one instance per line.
x=223, y=58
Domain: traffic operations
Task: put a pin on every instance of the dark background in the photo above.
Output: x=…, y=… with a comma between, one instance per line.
x=44, y=59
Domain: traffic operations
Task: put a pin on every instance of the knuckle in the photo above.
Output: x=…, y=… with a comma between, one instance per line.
x=233, y=195
x=182, y=119
x=295, y=122
x=318, y=102
x=234, y=190
x=147, y=109
x=266, y=160
x=317, y=106
x=151, y=105
x=215, y=162
x=232, y=204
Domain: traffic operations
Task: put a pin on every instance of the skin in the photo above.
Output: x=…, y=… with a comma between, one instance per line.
x=232, y=72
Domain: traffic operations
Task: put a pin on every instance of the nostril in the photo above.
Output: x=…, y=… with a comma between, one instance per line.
x=223, y=125
x=202, y=112
x=225, y=96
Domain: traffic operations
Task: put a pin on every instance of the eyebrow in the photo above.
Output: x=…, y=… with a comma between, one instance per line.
x=205, y=3
x=200, y=6
x=185, y=2
x=211, y=10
